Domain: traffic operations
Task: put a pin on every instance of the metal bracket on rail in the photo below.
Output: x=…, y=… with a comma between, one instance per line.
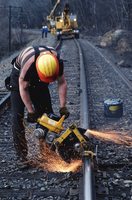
x=72, y=129
x=84, y=147
x=90, y=153
x=87, y=153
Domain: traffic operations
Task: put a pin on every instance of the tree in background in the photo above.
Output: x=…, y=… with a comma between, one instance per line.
x=94, y=17
x=101, y=16
x=4, y=22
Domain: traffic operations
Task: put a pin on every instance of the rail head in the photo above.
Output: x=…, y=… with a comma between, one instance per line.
x=87, y=164
x=4, y=103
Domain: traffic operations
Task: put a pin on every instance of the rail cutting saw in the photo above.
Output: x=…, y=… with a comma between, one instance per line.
x=70, y=142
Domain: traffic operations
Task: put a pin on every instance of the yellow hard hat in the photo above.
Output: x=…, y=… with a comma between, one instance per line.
x=47, y=66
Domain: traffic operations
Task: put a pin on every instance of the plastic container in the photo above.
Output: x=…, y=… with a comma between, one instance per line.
x=113, y=108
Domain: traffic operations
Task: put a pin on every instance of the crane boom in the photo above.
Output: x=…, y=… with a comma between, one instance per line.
x=51, y=16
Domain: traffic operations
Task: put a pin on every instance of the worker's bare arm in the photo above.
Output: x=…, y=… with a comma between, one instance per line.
x=24, y=93
x=23, y=86
x=62, y=90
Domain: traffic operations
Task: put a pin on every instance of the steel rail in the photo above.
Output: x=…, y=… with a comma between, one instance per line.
x=84, y=103
x=3, y=102
x=58, y=44
x=87, y=164
x=124, y=78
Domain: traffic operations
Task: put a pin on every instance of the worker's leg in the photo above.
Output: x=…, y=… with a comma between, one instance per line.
x=17, y=111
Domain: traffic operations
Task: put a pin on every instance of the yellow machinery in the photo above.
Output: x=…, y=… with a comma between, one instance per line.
x=50, y=18
x=66, y=25
x=49, y=130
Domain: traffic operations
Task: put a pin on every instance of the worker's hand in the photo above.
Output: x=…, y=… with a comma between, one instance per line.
x=64, y=111
x=32, y=117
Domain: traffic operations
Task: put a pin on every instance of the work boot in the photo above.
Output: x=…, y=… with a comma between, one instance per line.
x=22, y=163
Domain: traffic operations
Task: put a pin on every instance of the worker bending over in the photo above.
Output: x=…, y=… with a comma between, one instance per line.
x=33, y=69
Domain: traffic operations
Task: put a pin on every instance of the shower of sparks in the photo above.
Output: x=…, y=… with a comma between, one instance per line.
x=41, y=155
x=53, y=161
x=119, y=138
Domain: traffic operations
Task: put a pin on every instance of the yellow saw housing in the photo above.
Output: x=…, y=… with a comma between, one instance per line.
x=52, y=125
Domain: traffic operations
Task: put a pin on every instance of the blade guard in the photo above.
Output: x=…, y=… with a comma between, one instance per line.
x=52, y=125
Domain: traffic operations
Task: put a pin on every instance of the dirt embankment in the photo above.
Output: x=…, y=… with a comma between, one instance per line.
x=119, y=42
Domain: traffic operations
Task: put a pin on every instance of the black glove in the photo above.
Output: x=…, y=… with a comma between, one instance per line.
x=32, y=117
x=64, y=111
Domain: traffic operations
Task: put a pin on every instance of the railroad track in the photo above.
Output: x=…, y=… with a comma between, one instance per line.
x=4, y=101
x=112, y=173
x=40, y=180
x=114, y=134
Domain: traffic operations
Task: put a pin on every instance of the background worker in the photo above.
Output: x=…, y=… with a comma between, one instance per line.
x=33, y=69
x=42, y=31
x=46, y=31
